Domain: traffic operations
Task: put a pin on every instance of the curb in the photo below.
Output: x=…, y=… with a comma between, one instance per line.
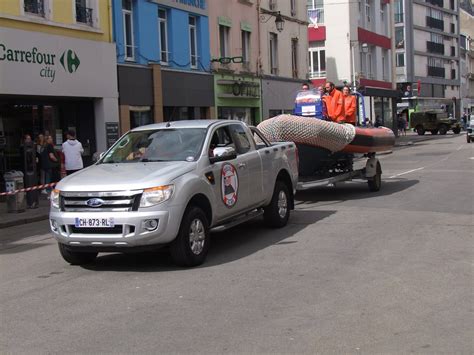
x=21, y=221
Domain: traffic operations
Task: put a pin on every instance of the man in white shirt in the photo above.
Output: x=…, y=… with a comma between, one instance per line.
x=72, y=150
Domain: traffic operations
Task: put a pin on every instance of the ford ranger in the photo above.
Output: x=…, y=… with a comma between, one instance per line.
x=170, y=184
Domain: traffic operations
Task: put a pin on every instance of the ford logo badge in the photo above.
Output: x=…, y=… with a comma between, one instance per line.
x=94, y=202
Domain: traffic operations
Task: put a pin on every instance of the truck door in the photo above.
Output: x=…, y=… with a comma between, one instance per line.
x=231, y=179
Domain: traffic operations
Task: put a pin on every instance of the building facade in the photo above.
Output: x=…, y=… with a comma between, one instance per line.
x=163, y=61
x=234, y=54
x=57, y=72
x=427, y=52
x=351, y=43
x=283, y=54
x=466, y=57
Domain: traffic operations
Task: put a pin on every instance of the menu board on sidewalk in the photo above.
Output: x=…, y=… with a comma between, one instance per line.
x=111, y=132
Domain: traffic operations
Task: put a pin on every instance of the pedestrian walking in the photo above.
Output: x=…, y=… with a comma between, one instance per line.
x=401, y=126
x=72, y=150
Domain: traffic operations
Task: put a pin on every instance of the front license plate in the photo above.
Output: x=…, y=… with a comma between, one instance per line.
x=94, y=222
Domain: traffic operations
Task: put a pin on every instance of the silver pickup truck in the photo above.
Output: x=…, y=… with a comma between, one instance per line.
x=170, y=184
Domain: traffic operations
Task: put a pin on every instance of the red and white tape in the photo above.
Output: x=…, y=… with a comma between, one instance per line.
x=38, y=187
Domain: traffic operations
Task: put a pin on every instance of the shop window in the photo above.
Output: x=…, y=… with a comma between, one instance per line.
x=244, y=114
x=177, y=113
x=127, y=14
x=273, y=53
x=246, y=49
x=163, y=35
x=224, y=41
x=140, y=116
x=193, y=41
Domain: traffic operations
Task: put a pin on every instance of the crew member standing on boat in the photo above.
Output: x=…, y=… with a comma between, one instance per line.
x=334, y=102
x=349, y=106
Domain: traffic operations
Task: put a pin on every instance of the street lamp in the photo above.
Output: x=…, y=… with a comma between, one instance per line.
x=279, y=22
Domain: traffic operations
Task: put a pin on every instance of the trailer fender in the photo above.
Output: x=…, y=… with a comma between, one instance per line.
x=372, y=167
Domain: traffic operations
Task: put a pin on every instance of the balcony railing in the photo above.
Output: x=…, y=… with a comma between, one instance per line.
x=399, y=18
x=435, y=2
x=84, y=15
x=34, y=7
x=435, y=71
x=434, y=47
x=434, y=23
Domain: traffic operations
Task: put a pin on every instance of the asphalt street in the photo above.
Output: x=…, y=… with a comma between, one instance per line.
x=353, y=272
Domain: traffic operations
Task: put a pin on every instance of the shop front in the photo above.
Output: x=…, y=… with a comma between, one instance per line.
x=381, y=105
x=50, y=84
x=238, y=97
x=279, y=95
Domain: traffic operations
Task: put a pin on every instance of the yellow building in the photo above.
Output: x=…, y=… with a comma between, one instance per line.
x=58, y=72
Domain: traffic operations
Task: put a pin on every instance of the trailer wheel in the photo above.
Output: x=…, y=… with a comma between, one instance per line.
x=375, y=182
x=76, y=257
x=277, y=213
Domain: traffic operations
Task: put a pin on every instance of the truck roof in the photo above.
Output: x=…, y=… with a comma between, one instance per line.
x=180, y=124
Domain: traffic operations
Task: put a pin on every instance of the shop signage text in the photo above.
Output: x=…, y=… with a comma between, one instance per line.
x=69, y=60
x=201, y=4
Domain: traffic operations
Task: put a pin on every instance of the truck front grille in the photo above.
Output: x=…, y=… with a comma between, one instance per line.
x=114, y=201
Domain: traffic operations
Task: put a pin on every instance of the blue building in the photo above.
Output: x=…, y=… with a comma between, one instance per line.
x=163, y=60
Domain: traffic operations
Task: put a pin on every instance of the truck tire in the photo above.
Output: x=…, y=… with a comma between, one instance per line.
x=191, y=245
x=456, y=130
x=443, y=129
x=277, y=213
x=375, y=182
x=434, y=132
x=420, y=130
x=76, y=257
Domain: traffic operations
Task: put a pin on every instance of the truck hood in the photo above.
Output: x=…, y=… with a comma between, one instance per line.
x=132, y=176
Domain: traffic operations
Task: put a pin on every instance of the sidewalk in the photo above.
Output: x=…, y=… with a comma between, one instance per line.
x=28, y=216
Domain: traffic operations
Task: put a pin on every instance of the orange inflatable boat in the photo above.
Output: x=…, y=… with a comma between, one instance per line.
x=371, y=140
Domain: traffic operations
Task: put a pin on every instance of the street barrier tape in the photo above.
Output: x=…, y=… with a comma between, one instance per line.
x=31, y=188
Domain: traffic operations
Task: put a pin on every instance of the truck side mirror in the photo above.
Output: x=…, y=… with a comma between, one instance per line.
x=223, y=154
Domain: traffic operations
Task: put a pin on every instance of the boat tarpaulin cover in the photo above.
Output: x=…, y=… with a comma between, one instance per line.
x=310, y=131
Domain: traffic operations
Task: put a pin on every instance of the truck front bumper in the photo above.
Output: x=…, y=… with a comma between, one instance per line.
x=130, y=228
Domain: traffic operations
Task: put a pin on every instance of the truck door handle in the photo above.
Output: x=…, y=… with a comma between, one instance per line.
x=242, y=165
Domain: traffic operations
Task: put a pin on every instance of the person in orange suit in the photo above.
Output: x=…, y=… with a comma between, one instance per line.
x=349, y=106
x=334, y=102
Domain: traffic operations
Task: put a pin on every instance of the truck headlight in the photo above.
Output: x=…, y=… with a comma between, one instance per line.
x=156, y=195
x=55, y=198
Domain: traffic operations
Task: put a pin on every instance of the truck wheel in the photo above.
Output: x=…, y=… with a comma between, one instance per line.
x=420, y=130
x=434, y=132
x=456, y=130
x=443, y=129
x=76, y=257
x=276, y=214
x=192, y=243
x=375, y=182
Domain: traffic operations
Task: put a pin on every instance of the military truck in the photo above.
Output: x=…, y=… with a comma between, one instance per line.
x=434, y=121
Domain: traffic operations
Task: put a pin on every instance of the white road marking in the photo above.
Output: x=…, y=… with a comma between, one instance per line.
x=460, y=147
x=406, y=172
x=472, y=158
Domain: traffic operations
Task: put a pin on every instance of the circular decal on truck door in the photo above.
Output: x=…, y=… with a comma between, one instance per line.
x=229, y=185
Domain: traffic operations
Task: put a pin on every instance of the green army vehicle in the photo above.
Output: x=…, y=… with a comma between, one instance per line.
x=434, y=121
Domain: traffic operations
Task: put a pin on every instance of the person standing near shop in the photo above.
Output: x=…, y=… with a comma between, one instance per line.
x=72, y=150
x=50, y=163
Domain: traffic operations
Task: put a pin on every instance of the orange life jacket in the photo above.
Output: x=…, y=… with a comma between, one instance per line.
x=335, y=105
x=350, y=109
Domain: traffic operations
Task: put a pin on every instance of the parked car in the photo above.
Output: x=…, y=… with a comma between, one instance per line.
x=170, y=184
x=435, y=122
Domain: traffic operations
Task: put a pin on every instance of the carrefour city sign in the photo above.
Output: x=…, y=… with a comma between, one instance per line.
x=35, y=63
x=46, y=61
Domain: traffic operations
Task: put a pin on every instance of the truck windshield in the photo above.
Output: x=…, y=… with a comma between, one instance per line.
x=184, y=144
